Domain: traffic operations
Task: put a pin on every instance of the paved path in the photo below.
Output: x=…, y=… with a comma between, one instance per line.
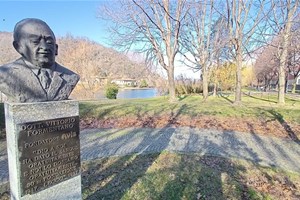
x=99, y=143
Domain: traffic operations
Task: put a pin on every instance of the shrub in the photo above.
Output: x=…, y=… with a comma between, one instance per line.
x=143, y=83
x=188, y=87
x=111, y=91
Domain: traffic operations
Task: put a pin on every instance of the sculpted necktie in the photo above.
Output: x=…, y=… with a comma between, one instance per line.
x=44, y=78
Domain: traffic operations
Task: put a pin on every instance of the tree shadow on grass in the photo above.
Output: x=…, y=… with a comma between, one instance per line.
x=226, y=98
x=292, y=135
x=128, y=172
x=109, y=181
x=261, y=99
x=130, y=168
x=292, y=100
x=216, y=178
x=192, y=176
x=219, y=177
x=182, y=97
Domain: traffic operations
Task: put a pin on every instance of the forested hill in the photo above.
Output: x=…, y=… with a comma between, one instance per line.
x=89, y=59
x=7, y=51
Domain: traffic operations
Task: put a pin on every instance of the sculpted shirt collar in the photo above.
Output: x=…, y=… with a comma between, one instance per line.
x=36, y=70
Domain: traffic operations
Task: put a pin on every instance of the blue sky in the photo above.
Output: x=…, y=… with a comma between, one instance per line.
x=75, y=17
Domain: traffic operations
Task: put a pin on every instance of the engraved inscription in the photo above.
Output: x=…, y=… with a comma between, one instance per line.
x=49, y=153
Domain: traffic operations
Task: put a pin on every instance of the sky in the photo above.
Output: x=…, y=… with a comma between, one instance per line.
x=78, y=18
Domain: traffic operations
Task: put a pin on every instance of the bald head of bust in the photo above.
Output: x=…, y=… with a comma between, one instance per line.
x=36, y=42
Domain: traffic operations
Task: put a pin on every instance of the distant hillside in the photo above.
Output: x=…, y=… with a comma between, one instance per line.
x=94, y=63
x=7, y=51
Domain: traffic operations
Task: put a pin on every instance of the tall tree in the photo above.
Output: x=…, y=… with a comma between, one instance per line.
x=294, y=55
x=243, y=18
x=196, y=39
x=152, y=27
x=268, y=60
x=280, y=21
x=219, y=38
x=289, y=8
x=266, y=65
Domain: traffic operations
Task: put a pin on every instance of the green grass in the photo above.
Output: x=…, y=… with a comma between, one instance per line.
x=172, y=176
x=181, y=176
x=258, y=106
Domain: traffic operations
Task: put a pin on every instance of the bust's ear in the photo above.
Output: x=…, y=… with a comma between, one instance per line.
x=56, y=50
x=16, y=46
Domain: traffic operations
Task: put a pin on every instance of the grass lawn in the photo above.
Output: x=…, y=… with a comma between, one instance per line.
x=180, y=176
x=259, y=105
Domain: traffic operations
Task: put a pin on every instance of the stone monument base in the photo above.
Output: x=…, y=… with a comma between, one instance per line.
x=43, y=150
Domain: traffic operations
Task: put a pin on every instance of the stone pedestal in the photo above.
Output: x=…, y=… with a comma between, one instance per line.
x=43, y=150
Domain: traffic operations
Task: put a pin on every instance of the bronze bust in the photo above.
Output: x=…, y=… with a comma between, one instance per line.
x=36, y=77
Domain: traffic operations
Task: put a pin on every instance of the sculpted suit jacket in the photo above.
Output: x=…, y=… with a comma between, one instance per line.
x=20, y=84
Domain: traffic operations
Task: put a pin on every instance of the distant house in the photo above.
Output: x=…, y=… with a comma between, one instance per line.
x=291, y=81
x=298, y=83
x=93, y=80
x=125, y=82
x=100, y=80
x=273, y=83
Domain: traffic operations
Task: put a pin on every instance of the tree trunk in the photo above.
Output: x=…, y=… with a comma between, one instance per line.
x=238, y=88
x=283, y=56
x=286, y=85
x=294, y=87
x=171, y=82
x=215, y=89
x=205, y=83
x=281, y=80
x=281, y=83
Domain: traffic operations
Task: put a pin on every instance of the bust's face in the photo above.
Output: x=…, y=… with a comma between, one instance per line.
x=37, y=44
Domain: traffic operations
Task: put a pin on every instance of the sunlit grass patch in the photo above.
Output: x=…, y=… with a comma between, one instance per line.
x=181, y=176
x=165, y=175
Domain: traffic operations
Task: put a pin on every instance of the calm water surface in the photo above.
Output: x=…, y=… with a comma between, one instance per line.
x=136, y=93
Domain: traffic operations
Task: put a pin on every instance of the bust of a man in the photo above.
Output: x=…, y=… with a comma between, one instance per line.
x=36, y=77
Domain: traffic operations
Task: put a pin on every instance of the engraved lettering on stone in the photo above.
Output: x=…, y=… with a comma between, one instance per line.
x=50, y=153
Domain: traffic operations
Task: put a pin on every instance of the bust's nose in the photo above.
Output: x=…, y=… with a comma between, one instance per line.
x=43, y=44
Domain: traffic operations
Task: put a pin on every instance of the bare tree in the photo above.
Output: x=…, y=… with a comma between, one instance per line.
x=243, y=18
x=266, y=66
x=219, y=37
x=294, y=56
x=196, y=39
x=151, y=27
x=280, y=21
x=268, y=60
x=289, y=8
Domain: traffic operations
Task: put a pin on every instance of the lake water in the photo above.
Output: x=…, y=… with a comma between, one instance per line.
x=136, y=93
